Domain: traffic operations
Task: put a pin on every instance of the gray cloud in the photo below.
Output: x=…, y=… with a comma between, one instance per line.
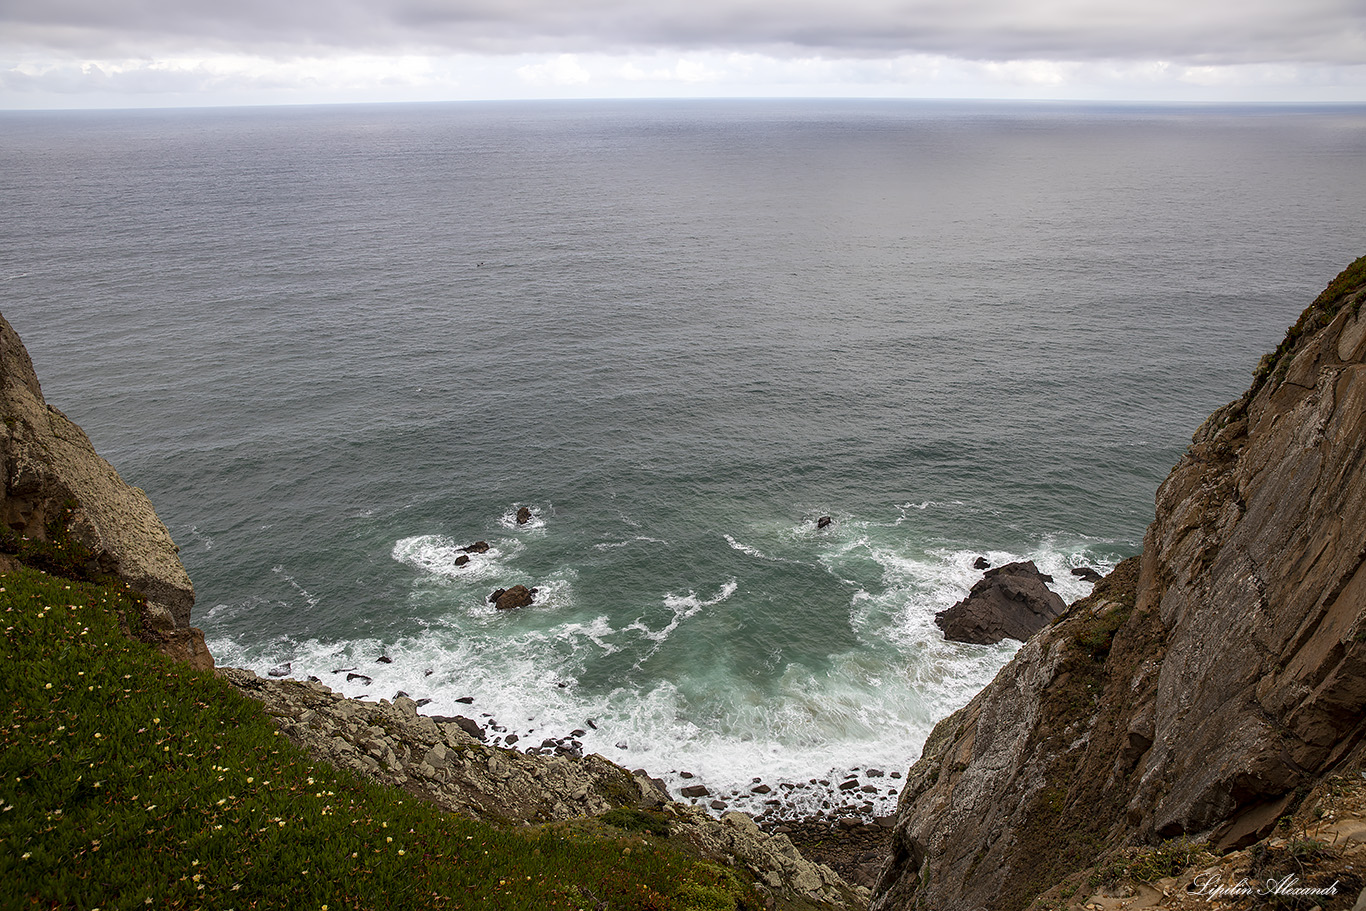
x=1212, y=32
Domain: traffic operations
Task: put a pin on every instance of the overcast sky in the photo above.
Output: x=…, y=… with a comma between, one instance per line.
x=133, y=53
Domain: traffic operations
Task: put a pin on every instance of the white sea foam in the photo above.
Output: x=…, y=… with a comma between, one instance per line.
x=638, y=539
x=529, y=673
x=438, y=555
x=536, y=523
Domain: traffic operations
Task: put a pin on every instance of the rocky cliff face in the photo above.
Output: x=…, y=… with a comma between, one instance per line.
x=62, y=503
x=1203, y=687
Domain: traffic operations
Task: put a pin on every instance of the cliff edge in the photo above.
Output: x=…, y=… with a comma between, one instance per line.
x=66, y=509
x=1204, y=687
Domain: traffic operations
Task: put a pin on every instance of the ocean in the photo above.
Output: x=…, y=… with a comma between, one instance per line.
x=338, y=345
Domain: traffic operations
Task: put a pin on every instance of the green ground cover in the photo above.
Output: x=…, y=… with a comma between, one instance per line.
x=128, y=781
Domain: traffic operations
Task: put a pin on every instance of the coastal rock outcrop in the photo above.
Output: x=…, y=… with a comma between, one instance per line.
x=1204, y=687
x=442, y=763
x=1008, y=602
x=59, y=492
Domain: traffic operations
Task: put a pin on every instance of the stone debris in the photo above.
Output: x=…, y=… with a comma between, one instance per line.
x=443, y=763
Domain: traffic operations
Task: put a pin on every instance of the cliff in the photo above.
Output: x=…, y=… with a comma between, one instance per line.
x=66, y=510
x=1205, y=687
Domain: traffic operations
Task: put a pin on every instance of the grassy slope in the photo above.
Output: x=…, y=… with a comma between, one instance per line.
x=128, y=781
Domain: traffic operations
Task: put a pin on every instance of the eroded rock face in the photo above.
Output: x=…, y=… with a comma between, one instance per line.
x=392, y=743
x=1201, y=685
x=1009, y=602
x=50, y=466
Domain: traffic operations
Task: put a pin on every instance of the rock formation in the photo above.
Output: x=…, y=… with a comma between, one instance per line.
x=1009, y=602
x=59, y=492
x=512, y=598
x=439, y=761
x=1203, y=687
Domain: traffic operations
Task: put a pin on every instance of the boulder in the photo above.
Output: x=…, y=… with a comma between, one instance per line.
x=478, y=547
x=508, y=599
x=523, y=515
x=279, y=670
x=462, y=560
x=1087, y=574
x=981, y=563
x=1010, y=601
x=823, y=521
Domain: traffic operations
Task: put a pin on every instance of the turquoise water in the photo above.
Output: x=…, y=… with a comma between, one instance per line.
x=336, y=345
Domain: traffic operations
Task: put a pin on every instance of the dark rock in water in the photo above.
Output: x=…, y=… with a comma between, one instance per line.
x=350, y=677
x=342, y=670
x=1087, y=574
x=468, y=725
x=695, y=791
x=981, y=563
x=849, y=785
x=497, y=593
x=591, y=724
x=761, y=789
x=466, y=700
x=1010, y=601
x=462, y=559
x=400, y=693
x=312, y=679
x=478, y=547
x=621, y=745
x=511, y=739
x=421, y=702
x=384, y=659
x=427, y=672
x=517, y=596
x=875, y=773
x=717, y=805
x=579, y=732
x=279, y=670
x=823, y=521
x=524, y=515
x=686, y=775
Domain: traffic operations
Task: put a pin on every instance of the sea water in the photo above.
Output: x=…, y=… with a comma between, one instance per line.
x=337, y=346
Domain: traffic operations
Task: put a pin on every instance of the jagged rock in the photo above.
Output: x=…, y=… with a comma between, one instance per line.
x=981, y=563
x=1010, y=601
x=384, y=659
x=508, y=599
x=695, y=791
x=350, y=677
x=524, y=515
x=54, y=479
x=478, y=547
x=1086, y=574
x=823, y=521
x=279, y=670
x=462, y=559
x=392, y=744
x=468, y=725
x=1203, y=684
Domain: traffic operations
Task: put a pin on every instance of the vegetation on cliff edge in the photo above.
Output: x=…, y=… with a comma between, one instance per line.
x=128, y=781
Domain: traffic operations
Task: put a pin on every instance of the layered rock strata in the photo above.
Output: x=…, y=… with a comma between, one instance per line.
x=1203, y=687
x=56, y=487
x=393, y=744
